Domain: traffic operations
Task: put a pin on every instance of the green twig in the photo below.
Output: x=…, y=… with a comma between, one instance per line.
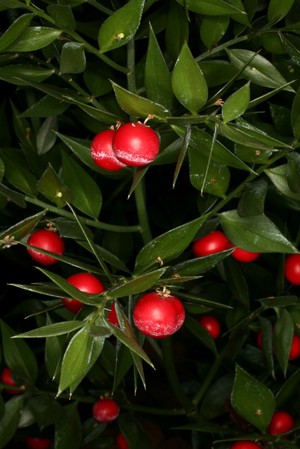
x=140, y=202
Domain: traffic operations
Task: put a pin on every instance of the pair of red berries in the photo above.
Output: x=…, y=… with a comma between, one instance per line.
x=215, y=242
x=132, y=144
x=105, y=411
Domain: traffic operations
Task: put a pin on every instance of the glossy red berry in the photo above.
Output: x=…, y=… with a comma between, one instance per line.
x=295, y=348
x=6, y=377
x=292, y=268
x=244, y=256
x=47, y=240
x=281, y=422
x=121, y=441
x=102, y=152
x=245, y=444
x=37, y=443
x=85, y=282
x=158, y=314
x=106, y=410
x=135, y=144
x=211, y=324
x=112, y=315
x=212, y=243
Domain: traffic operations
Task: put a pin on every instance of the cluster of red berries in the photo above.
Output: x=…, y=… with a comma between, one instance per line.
x=132, y=144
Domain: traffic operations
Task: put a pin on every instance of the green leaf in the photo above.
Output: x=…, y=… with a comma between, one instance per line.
x=138, y=106
x=52, y=330
x=288, y=388
x=21, y=229
x=278, y=176
x=188, y=82
x=282, y=338
x=210, y=7
x=82, y=352
x=46, y=138
x=199, y=265
x=17, y=173
x=236, y=104
x=295, y=115
x=157, y=76
x=18, y=355
x=293, y=171
x=255, y=233
x=212, y=29
x=86, y=195
x=53, y=355
x=119, y=28
x=252, y=201
x=162, y=248
x=52, y=187
x=207, y=175
x=68, y=432
x=72, y=59
x=21, y=74
x=277, y=9
x=2, y=170
x=237, y=282
x=45, y=107
x=260, y=70
x=177, y=30
x=200, y=333
x=136, y=285
x=10, y=420
x=63, y=16
x=34, y=38
x=252, y=400
x=16, y=29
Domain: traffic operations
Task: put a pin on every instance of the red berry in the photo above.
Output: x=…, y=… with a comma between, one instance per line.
x=259, y=340
x=121, y=441
x=244, y=256
x=37, y=443
x=281, y=422
x=212, y=243
x=6, y=377
x=245, y=444
x=85, y=282
x=295, y=348
x=102, y=152
x=135, y=144
x=48, y=240
x=106, y=410
x=158, y=314
x=211, y=324
x=292, y=269
x=112, y=315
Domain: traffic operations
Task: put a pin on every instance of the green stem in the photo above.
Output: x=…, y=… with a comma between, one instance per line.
x=171, y=371
x=86, y=221
x=139, y=194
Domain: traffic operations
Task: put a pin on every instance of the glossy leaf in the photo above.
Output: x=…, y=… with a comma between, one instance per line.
x=293, y=171
x=80, y=355
x=46, y=107
x=72, y=59
x=121, y=26
x=188, y=82
x=199, y=265
x=17, y=173
x=68, y=431
x=291, y=49
x=208, y=176
x=212, y=29
x=87, y=196
x=210, y=7
x=19, y=74
x=236, y=104
x=157, y=75
x=177, y=30
x=252, y=201
x=16, y=29
x=35, y=38
x=282, y=338
x=52, y=330
x=162, y=248
x=52, y=187
x=260, y=70
x=278, y=176
x=295, y=115
x=54, y=349
x=63, y=16
x=10, y=419
x=18, y=356
x=237, y=282
x=21, y=229
x=277, y=10
x=138, y=106
x=252, y=400
x=288, y=388
x=46, y=137
x=255, y=233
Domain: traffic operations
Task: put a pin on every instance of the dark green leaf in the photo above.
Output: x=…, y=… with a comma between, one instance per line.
x=288, y=388
x=199, y=265
x=72, y=58
x=52, y=330
x=16, y=29
x=177, y=30
x=211, y=7
x=252, y=400
x=63, y=16
x=10, y=420
x=200, y=333
x=188, y=82
x=17, y=172
x=293, y=172
x=2, y=170
x=21, y=229
x=68, y=431
x=252, y=201
x=119, y=28
x=46, y=107
x=237, y=282
x=162, y=248
x=260, y=71
x=19, y=74
x=282, y=338
x=295, y=115
x=255, y=233
x=86, y=195
x=52, y=187
x=46, y=138
x=212, y=29
x=236, y=104
x=278, y=176
x=53, y=355
x=277, y=9
x=34, y=38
